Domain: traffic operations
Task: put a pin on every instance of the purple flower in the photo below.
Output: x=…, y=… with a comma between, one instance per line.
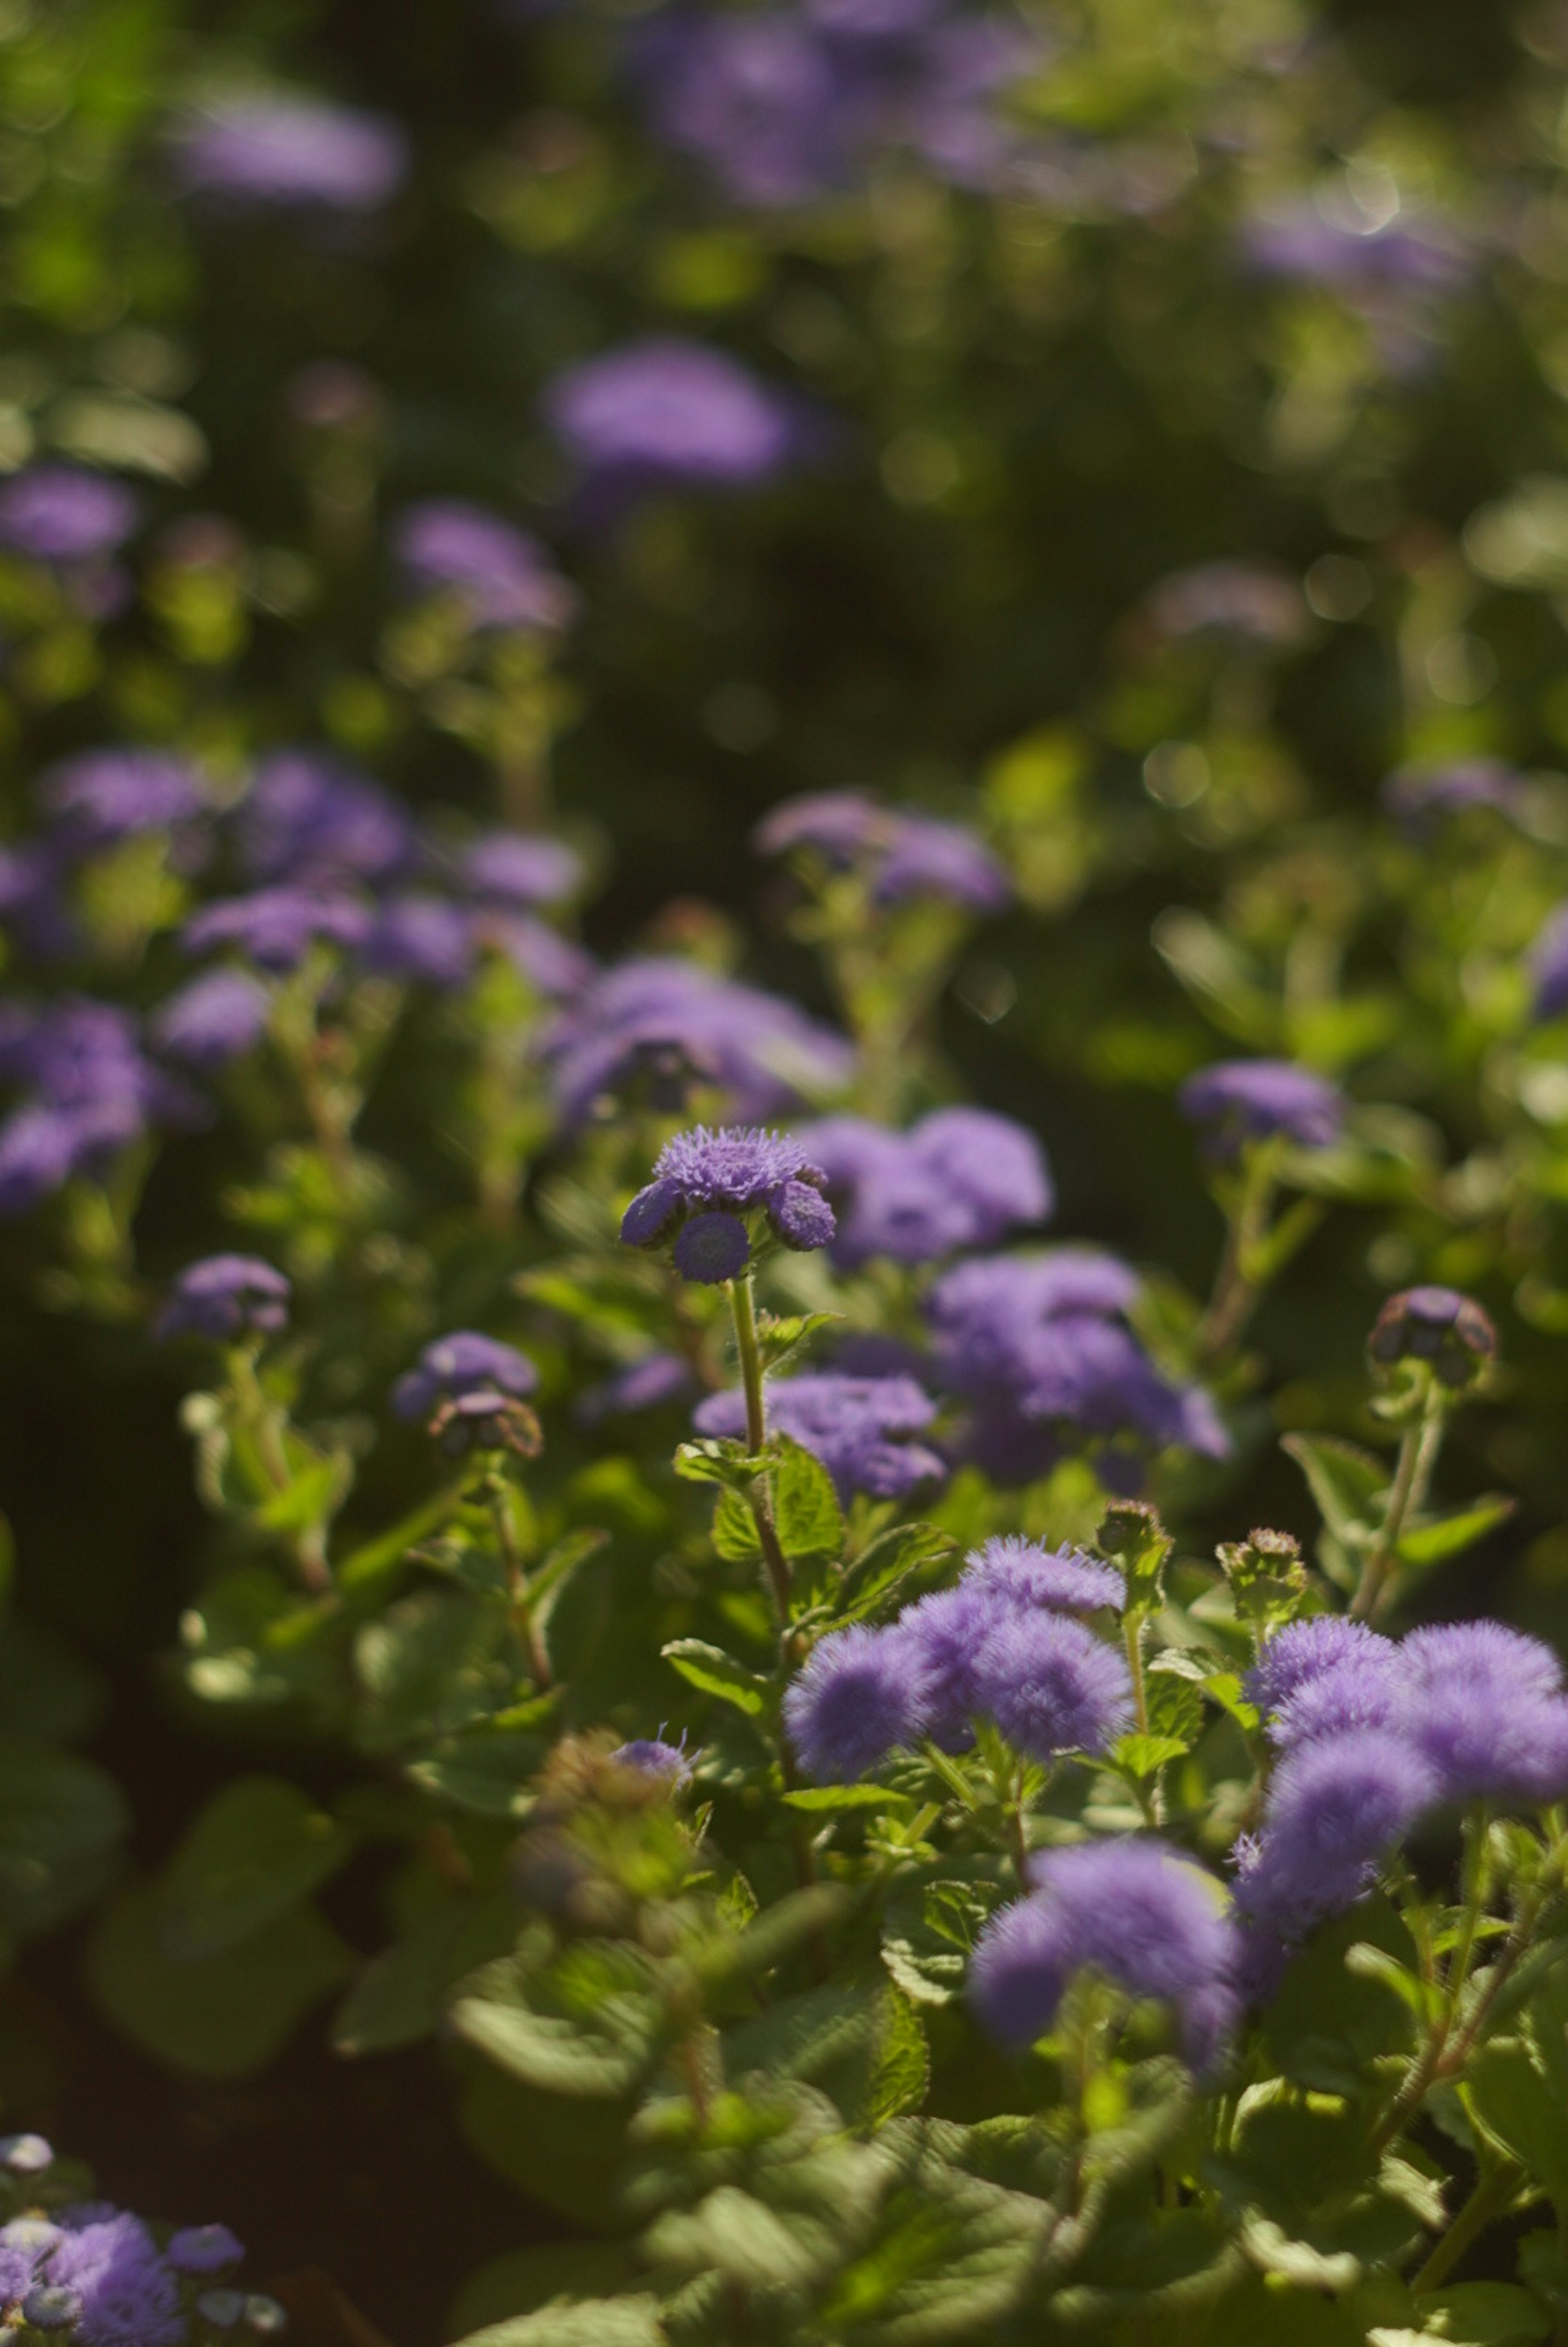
x=939, y=1640
x=760, y=1051
x=516, y=867
x=858, y=1428
x=61, y=514
x=307, y=819
x=1024, y=1574
x=94, y=1093
x=225, y=1296
x=704, y=1183
x=128, y=2295
x=759, y=99
x=1486, y=1708
x=31, y=901
x=550, y=962
x=1420, y=796
x=465, y=1362
x=1251, y=602
x=1051, y=1686
x=1366, y=1691
x=1336, y=1807
x=849, y=1707
x=651, y=1757
x=1358, y=258
x=1437, y=1326
x=292, y=153
x=106, y=796
x=647, y=1383
x=901, y=855
x=1239, y=1101
x=217, y=1017
x=504, y=578
x=204, y=2249
x=1307, y=1650
x=277, y=926
x=422, y=937
x=1023, y=1963
x=671, y=413
x=961, y=1178
x=1548, y=966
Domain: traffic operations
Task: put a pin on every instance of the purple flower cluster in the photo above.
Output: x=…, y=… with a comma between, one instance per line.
x=668, y=1025
x=901, y=855
x=108, y=795
x=705, y=1187
x=88, y=1092
x=1420, y=797
x=962, y=1178
x=277, y=152
x=1373, y=1733
x=1548, y=966
x=462, y=1363
x=225, y=1296
x=671, y=414
x=1237, y=1102
x=1138, y=1913
x=783, y=104
x=64, y=516
x=1002, y=1643
x=1038, y=1346
x=500, y=576
x=860, y=1428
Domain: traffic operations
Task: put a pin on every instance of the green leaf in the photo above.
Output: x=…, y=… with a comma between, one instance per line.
x=1141, y=1756
x=313, y=1497
x=735, y=1529
x=715, y=1462
x=257, y=1848
x=523, y=2281
x=927, y=1936
x=547, y=1582
x=62, y=1822
x=375, y=1562
x=398, y=1997
x=806, y=1511
x=1436, y=1537
x=1368, y=1962
x=902, y=2072
x=564, y=2151
x=1275, y=2251
x=48, y=1695
x=1521, y=2108
x=885, y=1564
x=832, y=1798
x=781, y=1334
x=227, y=2015
x=589, y=2322
x=718, y=1674
x=600, y=2055
x=1345, y=1481
x=1327, y=2025
x=1483, y=2314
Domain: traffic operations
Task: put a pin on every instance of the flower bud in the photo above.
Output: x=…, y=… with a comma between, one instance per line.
x=1448, y=1331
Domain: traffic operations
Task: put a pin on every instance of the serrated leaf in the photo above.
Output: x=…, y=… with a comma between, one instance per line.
x=927, y=1936
x=718, y=1674
x=257, y=1848
x=1368, y=1962
x=1444, y=1536
x=885, y=1564
x=735, y=1529
x=821, y=1799
x=1345, y=1481
x=546, y=2050
x=1141, y=1756
x=807, y=1516
x=1483, y=2314
x=712, y=1460
x=902, y=2071
x=586, y=2323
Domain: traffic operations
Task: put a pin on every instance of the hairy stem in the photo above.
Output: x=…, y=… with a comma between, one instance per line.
x=1235, y=1294
x=1418, y=1448
x=743, y=1306
x=260, y=1417
x=527, y=1628
x=1494, y=2191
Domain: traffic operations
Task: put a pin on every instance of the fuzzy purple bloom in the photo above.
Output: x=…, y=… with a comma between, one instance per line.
x=93, y=1094
x=858, y=1426
x=1365, y=1692
x=1024, y=1574
x=757, y=99
x=307, y=819
x=711, y=1248
x=516, y=867
x=650, y=1757
x=849, y=1707
x=762, y=1052
x=1548, y=966
x=550, y=962
x=217, y=1017
x=645, y=1384
x=108, y=795
x=705, y=1181
x=903, y=856
x=962, y=1178
x=63, y=513
x=1486, y=1709
x=204, y=2249
x=504, y=577
x=465, y=1362
x=1305, y=1650
x=422, y=937
x=292, y=153
x=1051, y=1686
x=1239, y=1101
x=225, y=1296
x=666, y=412
x=277, y=926
x=1023, y=1963
x=129, y=2297
x=939, y=1640
x=1336, y=1807
x=32, y=903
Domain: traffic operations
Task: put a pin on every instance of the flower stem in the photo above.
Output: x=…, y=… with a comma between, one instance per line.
x=1235, y=1292
x=1494, y=2191
x=743, y=1305
x=1418, y=1448
x=260, y=1419
x=527, y=1629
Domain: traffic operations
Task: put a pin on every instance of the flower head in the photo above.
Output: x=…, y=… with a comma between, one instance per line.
x=106, y=796
x=1239, y=1101
x=1486, y=1708
x=225, y=1296
x=939, y=1640
x=961, y=1178
x=1336, y=1807
x=465, y=1362
x=215, y=1018
x=1248, y=602
x=706, y=1183
x=1024, y=1573
x=93, y=1093
x=310, y=821
x=1051, y=1686
x=1305, y=1650
x=127, y=2293
x=901, y=855
x=503, y=577
x=277, y=926
x=62, y=513
x=1419, y=797
x=1437, y=1326
x=647, y=1383
x=1024, y=1961
x=25, y=2155
x=281, y=152
x=516, y=867
x=204, y=2249
x=420, y=937
x=849, y=1707
x=668, y=412
x=1548, y=966
x=650, y=1757
x=858, y=1426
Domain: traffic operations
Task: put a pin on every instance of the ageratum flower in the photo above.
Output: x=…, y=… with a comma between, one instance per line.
x=217, y=1017
x=860, y=1428
x=1051, y=1686
x=647, y=1383
x=901, y=855
x=516, y=867
x=33, y=905
x=501, y=576
x=650, y=1757
x=1336, y=1807
x=417, y=936
x=759, y=99
x=760, y=1051
x=1138, y=1914
x=1437, y=1326
x=277, y=926
x=126, y=2293
x=666, y=413
x=61, y=514
x=1024, y=1573
x=279, y=153
x=1548, y=966
x=850, y=1706
x=93, y=1093
x=108, y=795
x=1366, y=1692
x=939, y=1640
x=1486, y=1708
x=550, y=962
x=204, y=2249
x=705, y=1184
x=1303, y=1651
x=1236, y=1102
x=25, y=2155
x=224, y=1297
x=465, y=1362
x=961, y=1178
x=308, y=820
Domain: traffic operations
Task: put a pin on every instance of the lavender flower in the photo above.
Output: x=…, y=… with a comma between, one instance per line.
x=204, y=2249
x=1024, y=1574
x=503, y=577
x=901, y=855
x=1240, y=1102
x=465, y=1362
x=108, y=795
x=515, y=868
x=277, y=926
x=550, y=962
x=32, y=903
x=938, y=1641
x=60, y=514
x=93, y=1094
x=1336, y=1807
x=704, y=1184
x=761, y=1052
x=962, y=1178
x=217, y=1017
x=858, y=1426
x=652, y=1758
x=849, y=1707
x=416, y=936
x=275, y=151
x=1051, y=1686
x=1548, y=966
x=757, y=99
x=1366, y=1692
x=1486, y=1708
x=128, y=2296
x=225, y=1296
x=308, y=820
x=1305, y=1650
x=647, y=1383
x=1437, y=1326
x=1023, y=1963
x=668, y=413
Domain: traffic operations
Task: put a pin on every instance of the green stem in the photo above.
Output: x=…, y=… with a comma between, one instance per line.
x=261, y=1417
x=1152, y=1799
x=1235, y=1294
x=527, y=1628
x=1492, y=2193
x=743, y=1305
x=1418, y=1448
